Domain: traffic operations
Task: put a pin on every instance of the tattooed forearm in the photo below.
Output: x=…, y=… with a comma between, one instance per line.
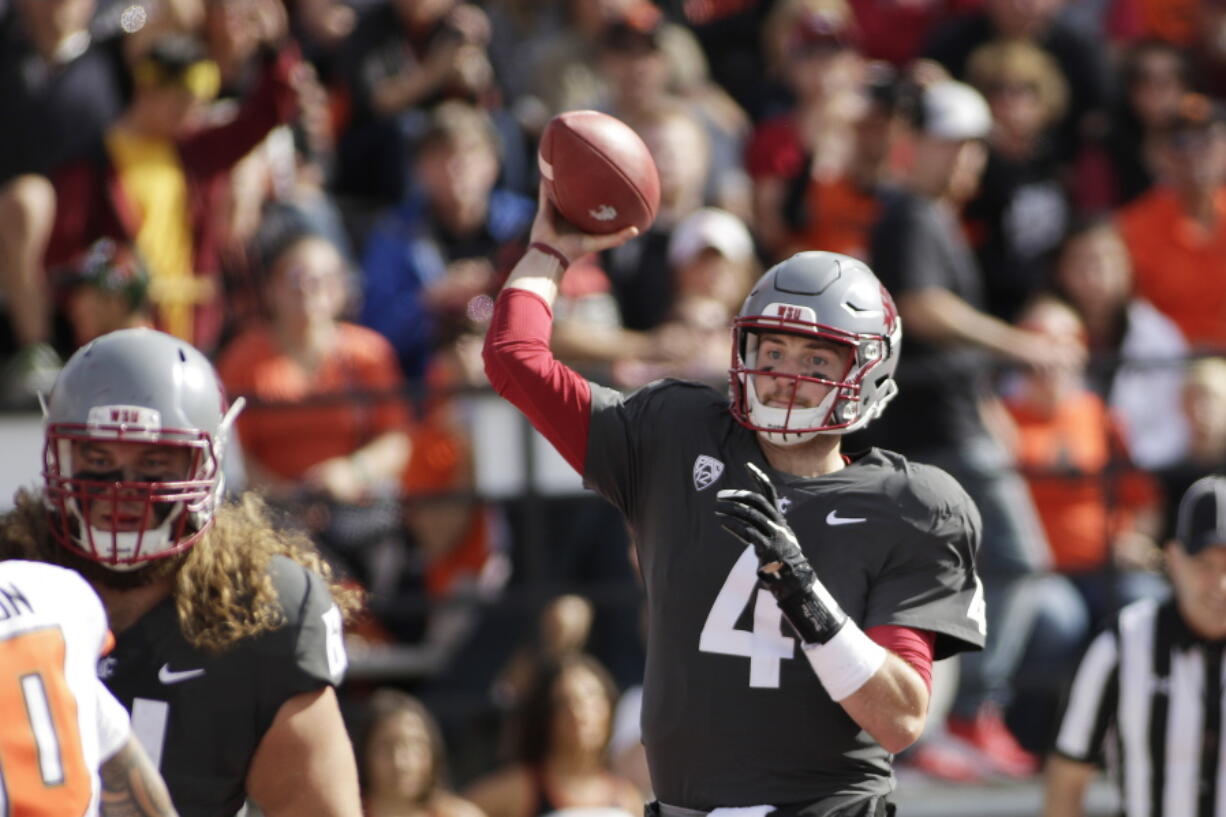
x=131, y=787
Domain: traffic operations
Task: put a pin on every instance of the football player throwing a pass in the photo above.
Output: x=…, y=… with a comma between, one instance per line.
x=797, y=595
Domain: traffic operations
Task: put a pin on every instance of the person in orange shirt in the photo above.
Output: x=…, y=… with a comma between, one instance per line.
x=1093, y=505
x=1176, y=233
x=837, y=213
x=326, y=434
x=1100, y=515
x=293, y=438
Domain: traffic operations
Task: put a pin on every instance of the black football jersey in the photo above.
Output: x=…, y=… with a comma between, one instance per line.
x=733, y=715
x=201, y=716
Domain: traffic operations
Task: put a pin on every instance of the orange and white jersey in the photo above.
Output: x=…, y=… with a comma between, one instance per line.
x=58, y=723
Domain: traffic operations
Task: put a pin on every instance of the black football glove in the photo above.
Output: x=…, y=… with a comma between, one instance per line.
x=756, y=520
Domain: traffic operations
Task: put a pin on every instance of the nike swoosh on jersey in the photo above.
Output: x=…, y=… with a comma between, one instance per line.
x=168, y=676
x=833, y=518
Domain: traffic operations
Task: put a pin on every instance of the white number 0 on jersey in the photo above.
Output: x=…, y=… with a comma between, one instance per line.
x=765, y=646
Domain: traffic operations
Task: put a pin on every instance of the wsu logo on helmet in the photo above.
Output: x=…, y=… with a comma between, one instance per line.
x=706, y=471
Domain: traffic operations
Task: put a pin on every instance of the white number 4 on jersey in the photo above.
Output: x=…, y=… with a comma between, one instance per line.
x=765, y=646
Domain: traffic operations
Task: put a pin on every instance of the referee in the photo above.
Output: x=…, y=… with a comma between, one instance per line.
x=1148, y=693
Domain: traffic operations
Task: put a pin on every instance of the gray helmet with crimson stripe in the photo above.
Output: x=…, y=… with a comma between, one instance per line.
x=146, y=388
x=830, y=297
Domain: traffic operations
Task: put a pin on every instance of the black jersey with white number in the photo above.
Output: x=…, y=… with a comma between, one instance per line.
x=733, y=715
x=201, y=716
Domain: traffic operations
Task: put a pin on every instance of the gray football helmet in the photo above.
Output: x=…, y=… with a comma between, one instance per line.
x=134, y=386
x=828, y=296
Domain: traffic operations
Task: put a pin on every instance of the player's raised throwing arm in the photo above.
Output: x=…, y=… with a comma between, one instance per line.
x=518, y=361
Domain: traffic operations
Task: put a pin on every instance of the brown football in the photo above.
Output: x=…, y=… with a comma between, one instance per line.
x=598, y=172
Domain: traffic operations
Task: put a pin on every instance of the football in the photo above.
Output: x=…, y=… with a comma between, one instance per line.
x=598, y=172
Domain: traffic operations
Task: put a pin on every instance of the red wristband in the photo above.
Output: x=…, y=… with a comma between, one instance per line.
x=548, y=250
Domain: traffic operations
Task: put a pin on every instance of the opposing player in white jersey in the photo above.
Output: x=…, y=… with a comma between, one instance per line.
x=66, y=749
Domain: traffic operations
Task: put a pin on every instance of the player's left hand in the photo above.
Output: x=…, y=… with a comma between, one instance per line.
x=756, y=520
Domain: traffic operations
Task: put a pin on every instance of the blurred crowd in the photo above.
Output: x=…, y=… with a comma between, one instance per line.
x=325, y=195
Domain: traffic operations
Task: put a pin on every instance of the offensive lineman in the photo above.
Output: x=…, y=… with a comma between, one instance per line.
x=228, y=632
x=60, y=724
x=870, y=557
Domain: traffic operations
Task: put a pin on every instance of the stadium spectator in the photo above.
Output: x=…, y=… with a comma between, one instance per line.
x=62, y=77
x=280, y=168
x=729, y=33
x=107, y=289
x=236, y=624
x=639, y=270
x=1117, y=166
x=648, y=63
x=1203, y=406
x=402, y=761
x=1176, y=233
x=812, y=43
x=345, y=451
x=837, y=213
x=1100, y=512
x=1021, y=212
x=561, y=71
x=1135, y=350
x=1147, y=697
x=561, y=730
x=940, y=416
x=63, y=82
x=295, y=194
x=54, y=633
x=563, y=629
x=231, y=35
x=1082, y=60
x=519, y=33
x=403, y=58
x=433, y=260
x=157, y=179
x=712, y=262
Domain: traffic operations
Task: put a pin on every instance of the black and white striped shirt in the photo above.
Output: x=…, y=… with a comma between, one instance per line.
x=1152, y=691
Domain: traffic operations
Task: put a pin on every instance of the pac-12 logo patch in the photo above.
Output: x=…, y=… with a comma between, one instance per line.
x=706, y=471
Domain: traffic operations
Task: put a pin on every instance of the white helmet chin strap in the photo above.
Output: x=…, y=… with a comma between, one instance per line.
x=773, y=417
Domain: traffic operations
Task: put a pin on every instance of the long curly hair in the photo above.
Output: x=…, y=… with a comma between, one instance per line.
x=222, y=589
